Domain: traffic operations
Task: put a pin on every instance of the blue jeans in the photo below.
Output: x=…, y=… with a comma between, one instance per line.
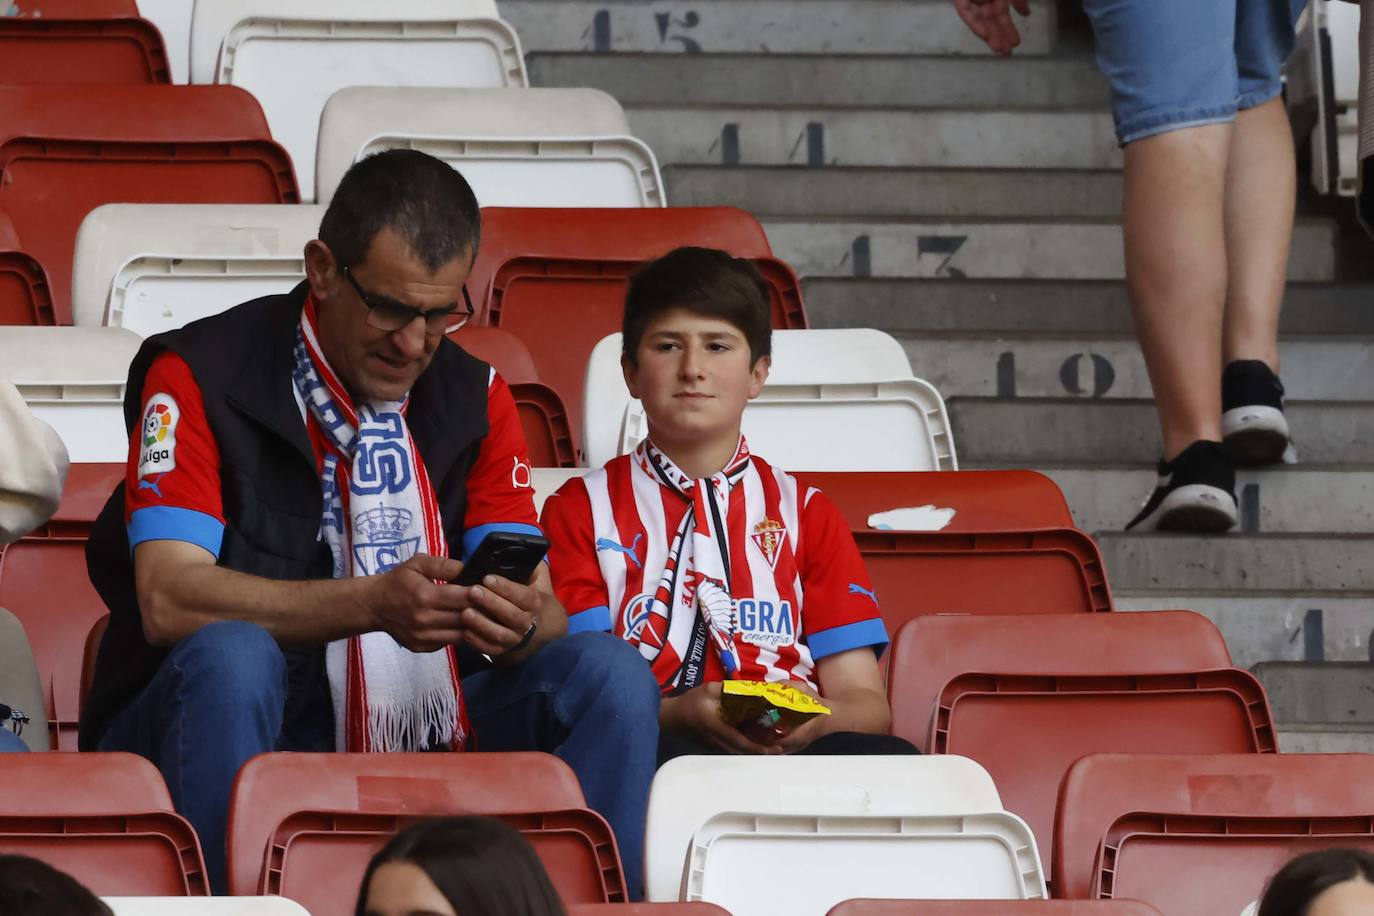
x=9, y=741
x=1181, y=63
x=219, y=699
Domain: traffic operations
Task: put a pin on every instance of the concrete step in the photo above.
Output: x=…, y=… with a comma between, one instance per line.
x=1061, y=432
x=1281, y=499
x=1046, y=306
x=927, y=137
x=1020, y=365
x=986, y=249
x=1320, y=693
x=1295, y=739
x=1308, y=564
x=797, y=191
x=749, y=26
x=771, y=80
x=1261, y=627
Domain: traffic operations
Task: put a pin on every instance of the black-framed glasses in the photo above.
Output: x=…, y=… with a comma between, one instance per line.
x=386, y=314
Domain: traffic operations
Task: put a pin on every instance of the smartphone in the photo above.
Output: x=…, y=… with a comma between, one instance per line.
x=506, y=554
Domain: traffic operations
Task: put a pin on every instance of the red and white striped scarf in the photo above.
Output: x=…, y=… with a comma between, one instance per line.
x=379, y=511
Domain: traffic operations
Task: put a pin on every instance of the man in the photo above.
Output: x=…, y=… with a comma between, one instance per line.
x=301, y=469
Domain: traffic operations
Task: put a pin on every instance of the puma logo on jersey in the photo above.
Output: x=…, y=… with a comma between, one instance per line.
x=856, y=589
x=632, y=551
x=152, y=485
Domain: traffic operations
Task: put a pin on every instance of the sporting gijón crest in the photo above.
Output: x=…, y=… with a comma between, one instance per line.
x=768, y=536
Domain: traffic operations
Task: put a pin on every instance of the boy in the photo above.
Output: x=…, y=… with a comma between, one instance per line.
x=712, y=563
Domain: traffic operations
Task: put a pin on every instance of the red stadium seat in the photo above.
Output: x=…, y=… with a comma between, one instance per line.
x=88, y=657
x=310, y=849
x=502, y=350
x=1026, y=730
x=556, y=278
x=104, y=819
x=982, y=500
x=56, y=51
x=25, y=297
x=993, y=908
x=606, y=234
x=646, y=909
x=1039, y=571
x=88, y=487
x=63, y=153
x=928, y=652
x=1196, y=835
x=43, y=582
x=272, y=787
x=76, y=9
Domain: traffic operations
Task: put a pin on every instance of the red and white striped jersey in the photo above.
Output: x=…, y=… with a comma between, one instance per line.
x=799, y=585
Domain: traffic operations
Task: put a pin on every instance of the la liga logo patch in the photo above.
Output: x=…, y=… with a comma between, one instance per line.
x=158, y=444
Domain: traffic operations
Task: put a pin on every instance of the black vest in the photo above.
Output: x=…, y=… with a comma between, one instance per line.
x=241, y=360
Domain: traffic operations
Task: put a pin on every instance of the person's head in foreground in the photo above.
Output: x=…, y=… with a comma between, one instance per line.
x=29, y=887
x=1333, y=882
x=396, y=244
x=697, y=348
x=457, y=866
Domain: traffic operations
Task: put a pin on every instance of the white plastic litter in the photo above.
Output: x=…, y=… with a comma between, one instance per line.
x=913, y=518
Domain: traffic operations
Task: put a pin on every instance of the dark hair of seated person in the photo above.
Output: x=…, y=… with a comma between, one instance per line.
x=481, y=866
x=30, y=887
x=1304, y=879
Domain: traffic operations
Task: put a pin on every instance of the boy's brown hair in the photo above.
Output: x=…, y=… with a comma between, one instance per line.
x=703, y=281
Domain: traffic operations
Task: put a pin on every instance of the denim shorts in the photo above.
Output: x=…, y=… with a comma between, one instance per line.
x=1180, y=63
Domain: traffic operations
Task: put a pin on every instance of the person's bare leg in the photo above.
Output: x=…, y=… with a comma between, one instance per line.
x=1176, y=271
x=1261, y=186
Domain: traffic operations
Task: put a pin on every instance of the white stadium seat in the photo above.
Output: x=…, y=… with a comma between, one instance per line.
x=154, y=267
x=516, y=147
x=688, y=791
x=204, y=906
x=735, y=858
x=294, y=54
x=73, y=379
x=546, y=482
x=836, y=400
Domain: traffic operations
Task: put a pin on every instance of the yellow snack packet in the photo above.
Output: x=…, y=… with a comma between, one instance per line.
x=764, y=712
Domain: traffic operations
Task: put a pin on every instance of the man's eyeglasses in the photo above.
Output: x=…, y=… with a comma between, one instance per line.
x=386, y=314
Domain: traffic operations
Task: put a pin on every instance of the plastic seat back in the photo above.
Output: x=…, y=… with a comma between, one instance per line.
x=988, y=855
x=687, y=791
x=104, y=819
x=76, y=9
x=87, y=489
x=516, y=147
x=21, y=689
x=73, y=379
x=943, y=500
x=272, y=787
x=207, y=906
x=1027, y=729
x=63, y=153
x=155, y=267
x=293, y=55
x=1201, y=834
x=56, y=51
x=928, y=652
x=992, y=908
x=25, y=297
x=310, y=849
x=1039, y=571
x=43, y=582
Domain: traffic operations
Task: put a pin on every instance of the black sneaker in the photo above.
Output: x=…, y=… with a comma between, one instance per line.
x=1196, y=492
x=1253, y=428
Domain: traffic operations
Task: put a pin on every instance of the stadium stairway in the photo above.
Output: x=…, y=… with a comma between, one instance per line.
x=969, y=206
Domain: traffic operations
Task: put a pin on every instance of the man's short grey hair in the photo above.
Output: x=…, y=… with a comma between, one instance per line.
x=418, y=196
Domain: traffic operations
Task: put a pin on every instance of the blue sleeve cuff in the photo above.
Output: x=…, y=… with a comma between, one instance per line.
x=473, y=536
x=168, y=523
x=592, y=620
x=835, y=640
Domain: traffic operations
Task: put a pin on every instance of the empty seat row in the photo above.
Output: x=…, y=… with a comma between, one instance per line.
x=63, y=153
x=1183, y=834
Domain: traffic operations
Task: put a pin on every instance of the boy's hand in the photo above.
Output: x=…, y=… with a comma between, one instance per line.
x=799, y=737
x=697, y=712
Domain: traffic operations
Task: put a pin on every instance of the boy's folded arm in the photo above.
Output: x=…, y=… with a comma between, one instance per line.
x=852, y=686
